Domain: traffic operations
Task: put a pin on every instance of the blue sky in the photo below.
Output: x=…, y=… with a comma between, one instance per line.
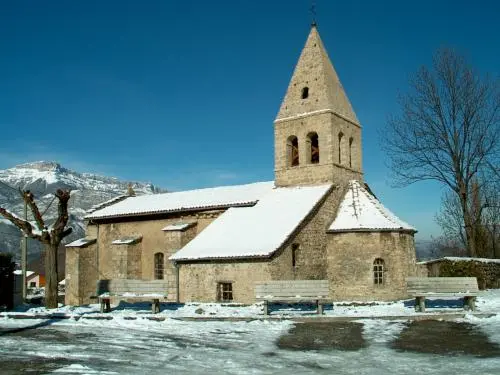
x=184, y=93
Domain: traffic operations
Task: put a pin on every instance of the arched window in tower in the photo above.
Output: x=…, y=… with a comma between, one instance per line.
x=305, y=92
x=350, y=152
x=159, y=266
x=312, y=148
x=292, y=151
x=378, y=271
x=341, y=144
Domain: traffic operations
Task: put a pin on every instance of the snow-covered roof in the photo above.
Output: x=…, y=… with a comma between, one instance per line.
x=82, y=242
x=109, y=202
x=461, y=259
x=127, y=240
x=361, y=211
x=177, y=227
x=20, y=272
x=257, y=231
x=218, y=197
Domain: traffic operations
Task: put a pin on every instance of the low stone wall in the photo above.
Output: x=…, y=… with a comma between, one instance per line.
x=487, y=272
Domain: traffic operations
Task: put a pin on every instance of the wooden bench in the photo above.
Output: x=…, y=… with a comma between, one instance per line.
x=130, y=289
x=292, y=291
x=422, y=287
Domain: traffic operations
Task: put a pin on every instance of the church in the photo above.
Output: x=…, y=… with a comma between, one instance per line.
x=317, y=220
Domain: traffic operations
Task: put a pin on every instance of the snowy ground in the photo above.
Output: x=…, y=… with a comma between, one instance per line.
x=130, y=343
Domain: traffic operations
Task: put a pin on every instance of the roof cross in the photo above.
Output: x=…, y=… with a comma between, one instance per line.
x=312, y=9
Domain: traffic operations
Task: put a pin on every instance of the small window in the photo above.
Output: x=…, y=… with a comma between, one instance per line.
x=225, y=292
x=350, y=152
x=32, y=284
x=159, y=266
x=292, y=146
x=305, y=92
x=295, y=249
x=378, y=271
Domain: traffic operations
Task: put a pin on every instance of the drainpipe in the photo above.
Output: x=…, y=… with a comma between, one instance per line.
x=177, y=267
x=97, y=251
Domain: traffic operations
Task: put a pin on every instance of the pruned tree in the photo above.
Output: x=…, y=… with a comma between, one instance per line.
x=448, y=131
x=50, y=237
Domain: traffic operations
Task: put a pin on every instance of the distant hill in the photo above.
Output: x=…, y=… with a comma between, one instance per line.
x=43, y=179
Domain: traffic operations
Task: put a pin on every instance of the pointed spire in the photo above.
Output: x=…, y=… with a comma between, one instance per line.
x=315, y=85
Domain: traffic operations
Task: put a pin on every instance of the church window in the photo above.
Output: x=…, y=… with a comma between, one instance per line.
x=292, y=151
x=341, y=141
x=313, y=148
x=224, y=291
x=378, y=271
x=295, y=250
x=159, y=266
x=305, y=92
x=350, y=152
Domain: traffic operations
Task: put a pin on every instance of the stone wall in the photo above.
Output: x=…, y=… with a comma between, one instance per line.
x=487, y=273
x=135, y=261
x=330, y=167
x=350, y=258
x=81, y=274
x=198, y=281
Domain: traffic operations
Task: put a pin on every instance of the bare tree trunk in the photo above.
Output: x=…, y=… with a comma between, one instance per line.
x=51, y=275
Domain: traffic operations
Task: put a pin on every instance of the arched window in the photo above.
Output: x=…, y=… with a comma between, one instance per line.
x=350, y=152
x=378, y=271
x=305, y=92
x=159, y=266
x=341, y=141
x=313, y=148
x=292, y=150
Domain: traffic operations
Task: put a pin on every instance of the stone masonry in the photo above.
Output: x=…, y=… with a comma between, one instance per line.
x=326, y=111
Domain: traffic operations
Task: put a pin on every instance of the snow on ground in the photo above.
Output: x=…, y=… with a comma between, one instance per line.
x=122, y=346
x=131, y=344
x=488, y=302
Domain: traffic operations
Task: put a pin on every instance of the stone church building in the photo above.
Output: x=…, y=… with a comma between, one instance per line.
x=317, y=220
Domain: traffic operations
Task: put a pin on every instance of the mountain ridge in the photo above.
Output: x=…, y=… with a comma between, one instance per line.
x=43, y=178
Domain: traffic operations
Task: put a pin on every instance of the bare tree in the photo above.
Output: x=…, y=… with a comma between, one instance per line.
x=448, y=131
x=50, y=237
x=446, y=247
x=485, y=211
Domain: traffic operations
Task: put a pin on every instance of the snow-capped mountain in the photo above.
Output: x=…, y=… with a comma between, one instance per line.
x=43, y=179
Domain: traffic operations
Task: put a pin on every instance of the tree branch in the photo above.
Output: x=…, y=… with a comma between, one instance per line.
x=23, y=225
x=29, y=199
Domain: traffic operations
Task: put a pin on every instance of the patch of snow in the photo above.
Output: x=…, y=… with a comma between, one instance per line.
x=177, y=227
x=126, y=240
x=20, y=272
x=82, y=242
x=255, y=231
x=461, y=259
x=360, y=210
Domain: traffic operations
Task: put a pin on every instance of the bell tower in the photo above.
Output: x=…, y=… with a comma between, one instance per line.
x=317, y=135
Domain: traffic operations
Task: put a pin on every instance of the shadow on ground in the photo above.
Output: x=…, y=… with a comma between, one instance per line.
x=319, y=336
x=23, y=330
x=446, y=338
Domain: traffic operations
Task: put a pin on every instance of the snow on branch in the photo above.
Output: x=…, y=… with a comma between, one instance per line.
x=23, y=225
